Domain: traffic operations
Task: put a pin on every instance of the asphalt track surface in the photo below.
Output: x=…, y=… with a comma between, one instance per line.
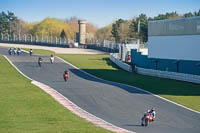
x=120, y=105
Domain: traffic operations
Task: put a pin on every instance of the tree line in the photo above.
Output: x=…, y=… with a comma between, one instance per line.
x=11, y=24
x=123, y=31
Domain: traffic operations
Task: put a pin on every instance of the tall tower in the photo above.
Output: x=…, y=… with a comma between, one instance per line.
x=82, y=31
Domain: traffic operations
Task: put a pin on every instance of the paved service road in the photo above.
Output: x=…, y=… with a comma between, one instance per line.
x=118, y=104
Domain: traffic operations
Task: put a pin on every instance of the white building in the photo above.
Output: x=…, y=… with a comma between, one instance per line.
x=174, y=39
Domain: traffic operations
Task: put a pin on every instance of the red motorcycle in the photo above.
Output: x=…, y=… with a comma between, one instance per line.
x=146, y=119
x=66, y=75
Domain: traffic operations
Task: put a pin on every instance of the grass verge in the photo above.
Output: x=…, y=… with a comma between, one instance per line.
x=25, y=108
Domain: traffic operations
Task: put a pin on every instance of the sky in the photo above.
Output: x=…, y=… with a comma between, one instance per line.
x=98, y=12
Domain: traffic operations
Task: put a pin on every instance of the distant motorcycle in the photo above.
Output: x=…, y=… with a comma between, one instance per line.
x=52, y=59
x=66, y=75
x=30, y=52
x=40, y=61
x=146, y=119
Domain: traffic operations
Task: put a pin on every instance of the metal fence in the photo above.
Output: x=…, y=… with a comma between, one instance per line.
x=106, y=45
x=37, y=40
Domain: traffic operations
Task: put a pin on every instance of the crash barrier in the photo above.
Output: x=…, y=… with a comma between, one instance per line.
x=176, y=68
x=170, y=75
x=102, y=48
x=114, y=57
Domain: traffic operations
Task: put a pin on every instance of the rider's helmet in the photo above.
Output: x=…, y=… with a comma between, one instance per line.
x=66, y=71
x=153, y=109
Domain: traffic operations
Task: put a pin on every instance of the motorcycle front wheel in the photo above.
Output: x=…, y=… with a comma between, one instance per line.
x=146, y=122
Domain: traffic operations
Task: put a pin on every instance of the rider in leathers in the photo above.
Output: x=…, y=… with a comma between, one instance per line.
x=152, y=112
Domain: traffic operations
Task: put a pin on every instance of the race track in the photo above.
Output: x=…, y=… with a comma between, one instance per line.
x=118, y=104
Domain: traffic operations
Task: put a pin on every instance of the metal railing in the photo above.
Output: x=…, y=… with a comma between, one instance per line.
x=29, y=38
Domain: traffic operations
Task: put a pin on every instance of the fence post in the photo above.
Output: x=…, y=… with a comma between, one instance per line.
x=42, y=38
x=31, y=38
x=56, y=40
x=51, y=39
x=65, y=40
x=36, y=38
x=1, y=36
x=25, y=37
x=47, y=38
x=19, y=38
x=7, y=37
x=13, y=36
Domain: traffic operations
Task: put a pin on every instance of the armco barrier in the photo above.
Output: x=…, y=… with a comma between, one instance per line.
x=170, y=75
x=124, y=66
x=166, y=68
x=171, y=65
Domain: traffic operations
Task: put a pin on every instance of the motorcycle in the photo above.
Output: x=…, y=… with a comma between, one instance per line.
x=66, y=76
x=51, y=59
x=146, y=119
x=30, y=52
x=40, y=61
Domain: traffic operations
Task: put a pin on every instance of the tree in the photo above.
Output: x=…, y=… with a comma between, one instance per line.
x=73, y=24
x=104, y=33
x=52, y=27
x=62, y=34
x=186, y=15
x=21, y=27
x=197, y=13
x=5, y=22
x=91, y=28
x=171, y=15
x=124, y=31
x=115, y=27
x=143, y=27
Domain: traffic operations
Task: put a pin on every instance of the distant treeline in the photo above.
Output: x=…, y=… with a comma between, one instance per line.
x=125, y=30
x=11, y=24
x=121, y=31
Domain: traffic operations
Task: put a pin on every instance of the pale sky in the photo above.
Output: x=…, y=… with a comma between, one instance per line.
x=99, y=12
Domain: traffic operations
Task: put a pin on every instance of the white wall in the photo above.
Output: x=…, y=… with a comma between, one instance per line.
x=186, y=47
x=114, y=58
x=170, y=75
x=144, y=51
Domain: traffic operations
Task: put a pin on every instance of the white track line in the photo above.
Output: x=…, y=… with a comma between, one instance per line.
x=17, y=68
x=73, y=107
x=131, y=86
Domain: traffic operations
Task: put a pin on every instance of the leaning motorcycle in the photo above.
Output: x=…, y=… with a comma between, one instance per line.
x=146, y=119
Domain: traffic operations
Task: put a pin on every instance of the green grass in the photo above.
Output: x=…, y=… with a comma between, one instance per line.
x=25, y=108
x=184, y=93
